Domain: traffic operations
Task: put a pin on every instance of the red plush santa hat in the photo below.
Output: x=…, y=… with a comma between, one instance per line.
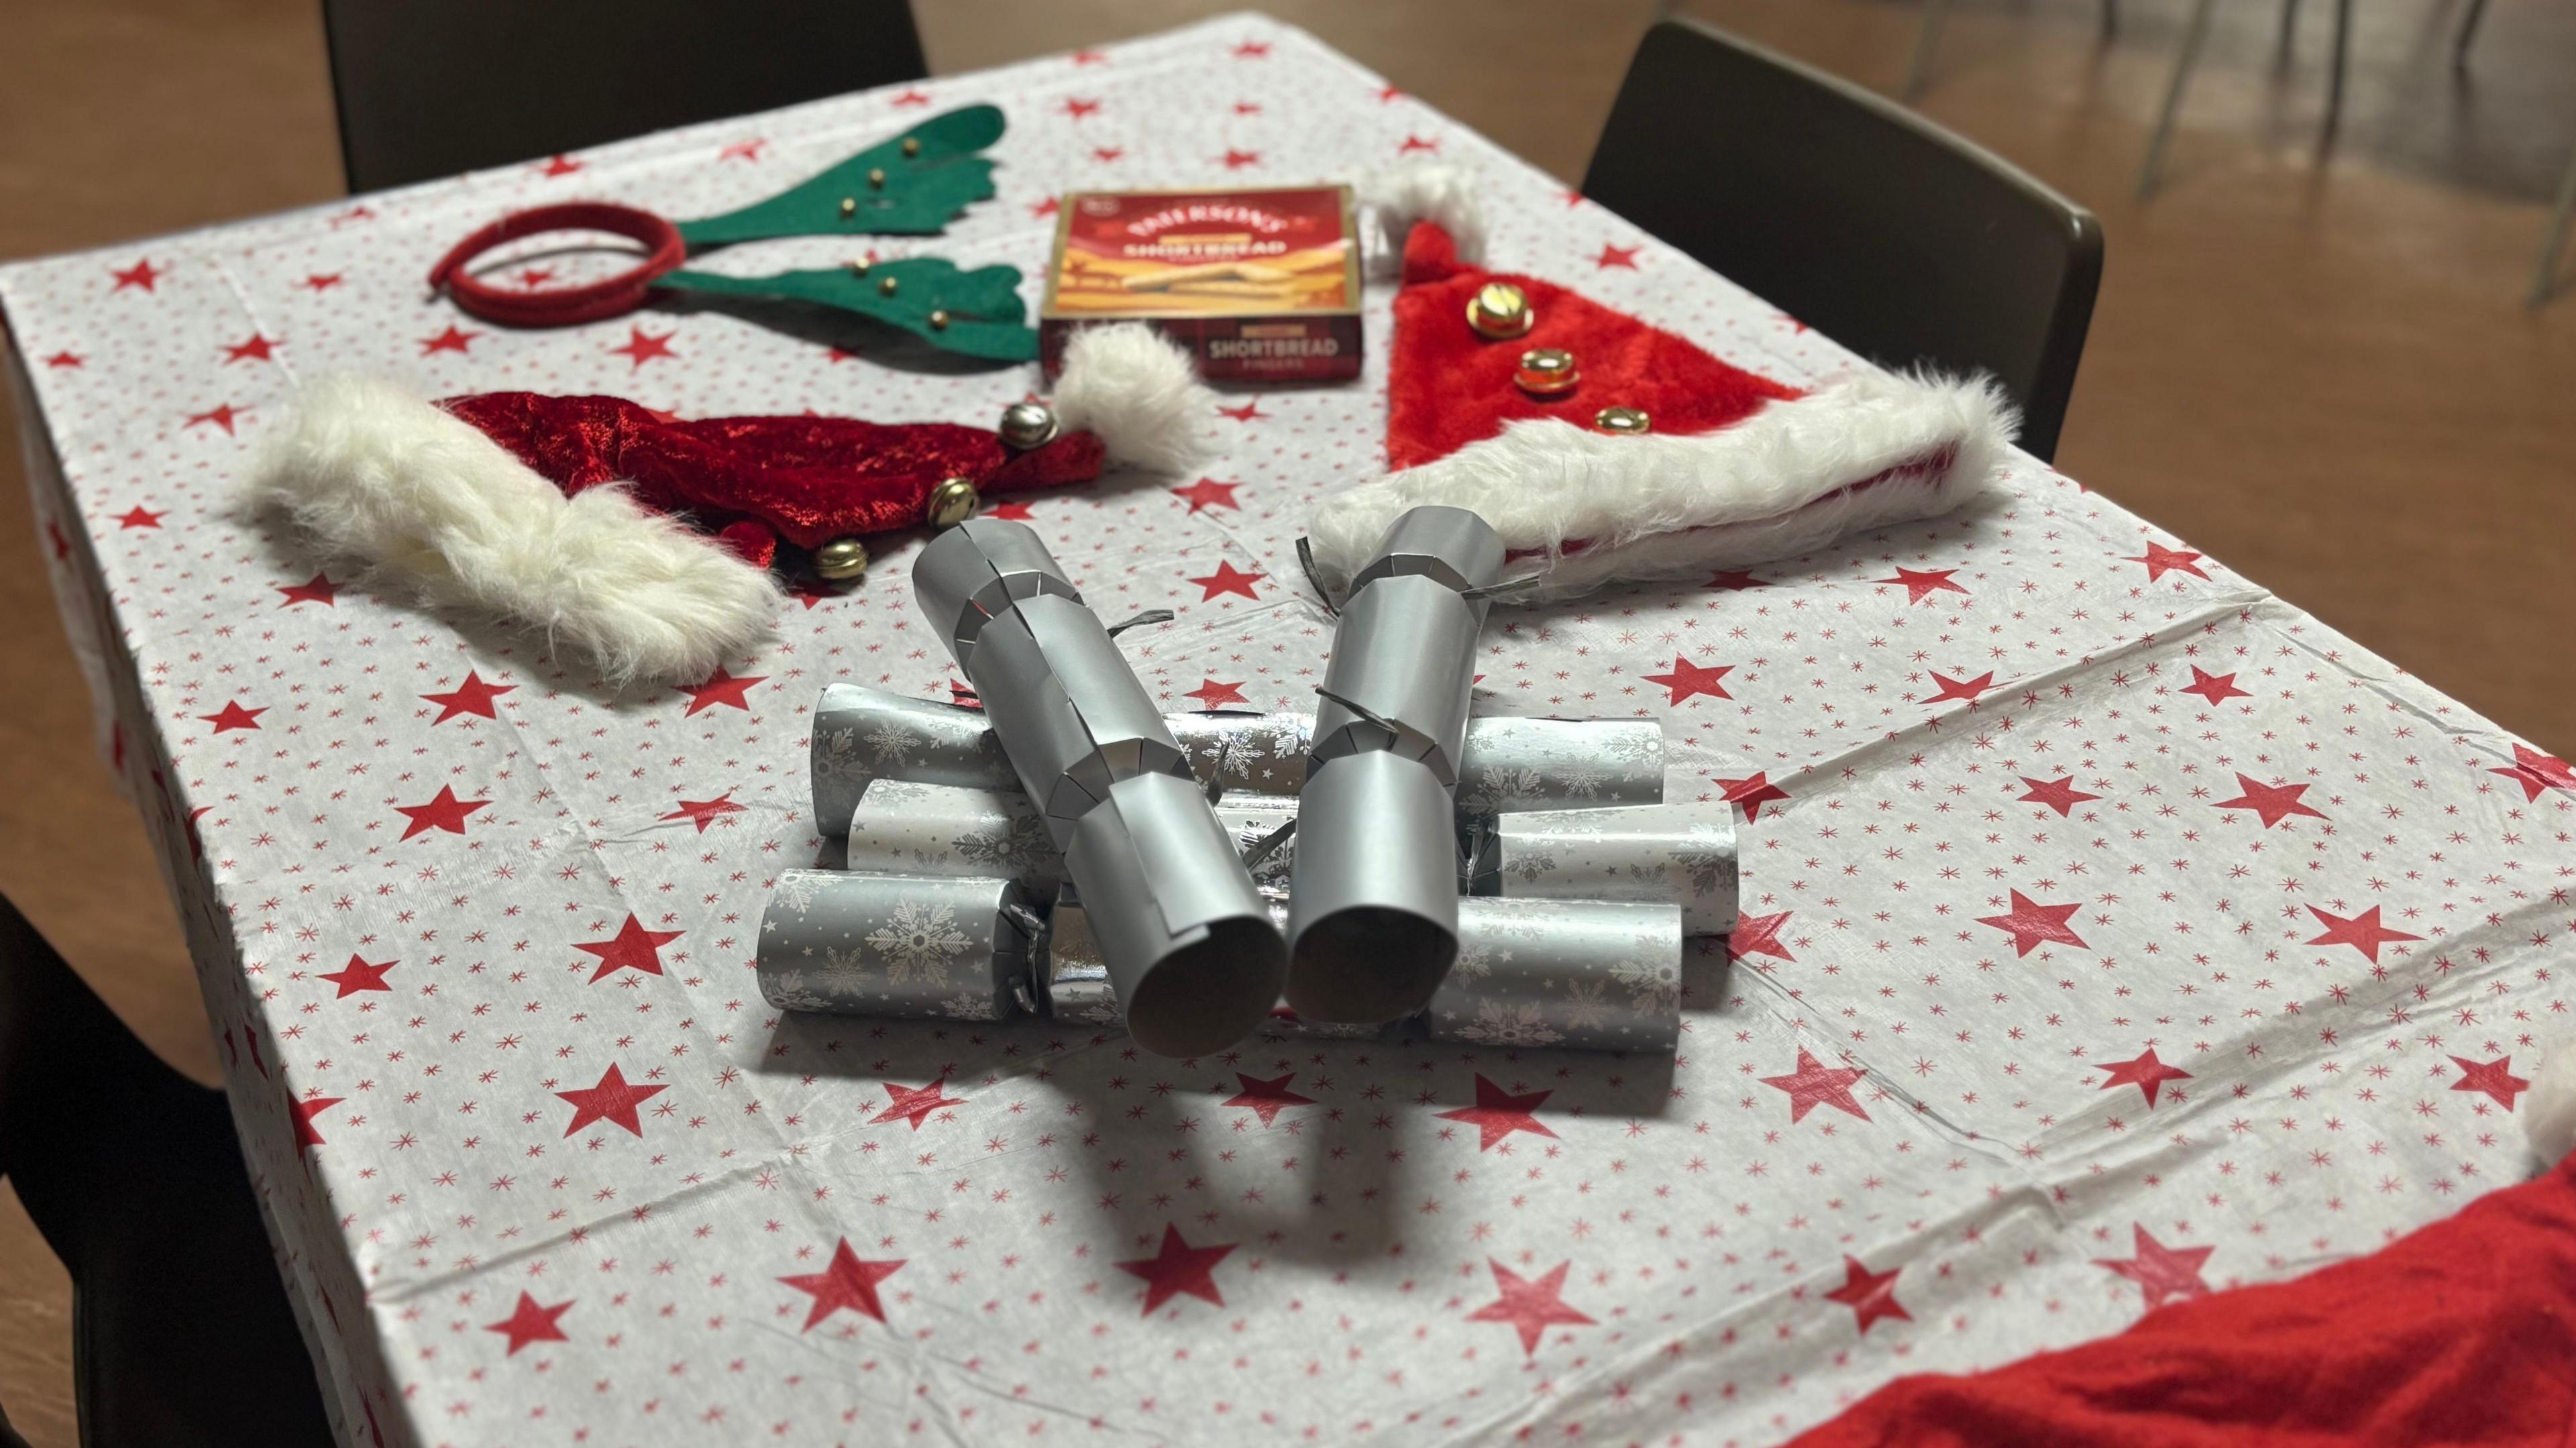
x=1731, y=468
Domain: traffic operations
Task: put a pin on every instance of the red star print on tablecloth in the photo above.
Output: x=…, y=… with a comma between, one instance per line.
x=257, y=349
x=912, y=97
x=233, y=716
x=1016, y=511
x=1267, y=1098
x=1616, y=256
x=1177, y=1267
x=1922, y=583
x=306, y=1133
x=2272, y=803
x=359, y=976
x=2163, y=1273
x=1228, y=580
x=471, y=697
x=64, y=358
x=1949, y=688
x=531, y=1323
x=2146, y=1073
x=2161, y=560
x=1531, y=1305
x=1812, y=1083
x=2060, y=795
x=451, y=340
x=321, y=590
x=1725, y=581
x=1758, y=935
x=222, y=414
x=1236, y=160
x=2032, y=924
x=705, y=811
x=2492, y=1077
x=846, y=1282
x=2536, y=772
x=1498, y=1113
x=914, y=1103
x=632, y=948
x=1752, y=793
x=641, y=346
x=1870, y=1295
x=557, y=166
x=1209, y=493
x=1252, y=50
x=743, y=150
x=1077, y=108
x=142, y=274
x=139, y=516
x=724, y=688
x=2216, y=688
x=613, y=1100
x=2362, y=932
x=1688, y=680
x=1245, y=413
x=1212, y=694
x=443, y=812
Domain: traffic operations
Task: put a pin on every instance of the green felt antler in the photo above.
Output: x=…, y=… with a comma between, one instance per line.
x=975, y=313
x=909, y=186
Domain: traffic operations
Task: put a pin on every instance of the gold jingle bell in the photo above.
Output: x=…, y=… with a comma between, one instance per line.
x=951, y=503
x=1500, y=311
x=841, y=559
x=1622, y=419
x=1027, y=425
x=1547, y=372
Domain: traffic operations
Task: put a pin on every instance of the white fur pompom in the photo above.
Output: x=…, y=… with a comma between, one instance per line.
x=2549, y=1112
x=1134, y=389
x=438, y=510
x=1433, y=191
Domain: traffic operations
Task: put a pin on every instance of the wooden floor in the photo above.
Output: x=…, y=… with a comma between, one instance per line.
x=2310, y=360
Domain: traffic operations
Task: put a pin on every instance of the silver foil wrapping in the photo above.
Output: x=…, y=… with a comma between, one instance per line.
x=1373, y=904
x=1184, y=936
x=902, y=828
x=912, y=946
x=863, y=734
x=1677, y=854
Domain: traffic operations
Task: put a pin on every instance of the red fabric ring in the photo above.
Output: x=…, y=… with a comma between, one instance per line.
x=566, y=306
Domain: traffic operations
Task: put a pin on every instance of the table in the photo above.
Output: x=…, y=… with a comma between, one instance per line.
x=2114, y=931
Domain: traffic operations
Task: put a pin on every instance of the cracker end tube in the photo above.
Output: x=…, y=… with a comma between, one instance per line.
x=1373, y=899
x=1188, y=945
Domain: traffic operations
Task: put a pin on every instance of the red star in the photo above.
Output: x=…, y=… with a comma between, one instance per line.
x=1416, y=143
x=1815, y=1084
x=1734, y=582
x=139, y=516
x=306, y=1133
x=613, y=1100
x=914, y=1103
x=2536, y=771
x=558, y=166
x=529, y=1323
x=1498, y=1113
x=1077, y=109
x=1922, y=583
x=743, y=150
x=1246, y=413
x=1043, y=208
x=257, y=349
x=632, y=948
x=2032, y=924
x=847, y=1282
x=643, y=346
x=1107, y=153
x=323, y=281
x=1178, y=1267
x=142, y=274
x=2491, y=1077
x=1753, y=793
x=1267, y=1098
x=1688, y=680
x=912, y=98
x=64, y=358
x=705, y=811
x=1207, y=493
x=1089, y=57
x=471, y=697
x=2161, y=560
x=2162, y=1272
x=221, y=416
x=1531, y=1305
x=1013, y=511
x=358, y=976
x=1252, y=50
x=1227, y=580
x=1210, y=694
x=1611, y=256
x=1870, y=1295
x=1389, y=93
x=2146, y=1073
x=444, y=812
x=1236, y=160
x=724, y=688
x=2060, y=795
x=234, y=716
x=2216, y=688
x=533, y=277
x=360, y=212
x=1758, y=935
x=2362, y=932
x=450, y=340
x=1247, y=108
x=2274, y=802
x=1967, y=689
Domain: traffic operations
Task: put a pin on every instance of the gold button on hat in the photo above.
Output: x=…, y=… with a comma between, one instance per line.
x=1622, y=419
x=1547, y=372
x=841, y=559
x=1500, y=311
x=952, y=503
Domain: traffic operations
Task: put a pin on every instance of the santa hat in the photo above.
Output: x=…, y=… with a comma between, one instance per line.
x=565, y=513
x=1655, y=460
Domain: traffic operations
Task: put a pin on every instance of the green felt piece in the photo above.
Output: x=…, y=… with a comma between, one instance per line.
x=985, y=317
x=921, y=192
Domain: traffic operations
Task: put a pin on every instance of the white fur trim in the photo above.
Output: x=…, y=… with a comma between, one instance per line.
x=1434, y=191
x=1661, y=506
x=440, y=511
x=2549, y=1110
x=1134, y=389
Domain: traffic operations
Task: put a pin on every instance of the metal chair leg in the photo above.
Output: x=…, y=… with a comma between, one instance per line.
x=2334, y=77
x=1926, y=36
x=2183, y=62
x=2110, y=21
x=2557, y=237
x=2284, y=47
x=2468, y=32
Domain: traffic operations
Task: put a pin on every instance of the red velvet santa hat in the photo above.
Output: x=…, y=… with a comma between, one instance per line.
x=1732, y=468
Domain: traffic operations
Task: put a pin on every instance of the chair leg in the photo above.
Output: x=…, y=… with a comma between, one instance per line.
x=2287, y=45
x=2183, y=62
x=2468, y=33
x=2110, y=21
x=2556, y=240
x=1926, y=36
x=2334, y=76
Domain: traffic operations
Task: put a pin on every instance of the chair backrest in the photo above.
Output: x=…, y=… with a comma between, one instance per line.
x=1860, y=218
x=428, y=88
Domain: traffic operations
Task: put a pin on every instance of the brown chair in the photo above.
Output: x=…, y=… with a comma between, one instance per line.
x=1885, y=232
x=429, y=88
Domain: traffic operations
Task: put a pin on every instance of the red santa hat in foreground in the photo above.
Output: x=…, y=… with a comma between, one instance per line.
x=1601, y=448
x=643, y=541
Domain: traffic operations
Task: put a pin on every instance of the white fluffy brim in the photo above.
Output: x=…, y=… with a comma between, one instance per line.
x=437, y=510
x=1135, y=390
x=1434, y=191
x=1579, y=508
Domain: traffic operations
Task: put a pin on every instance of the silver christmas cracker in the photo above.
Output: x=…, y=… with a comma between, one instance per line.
x=911, y=946
x=1186, y=941
x=1373, y=899
x=902, y=828
x=1678, y=854
x=863, y=734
